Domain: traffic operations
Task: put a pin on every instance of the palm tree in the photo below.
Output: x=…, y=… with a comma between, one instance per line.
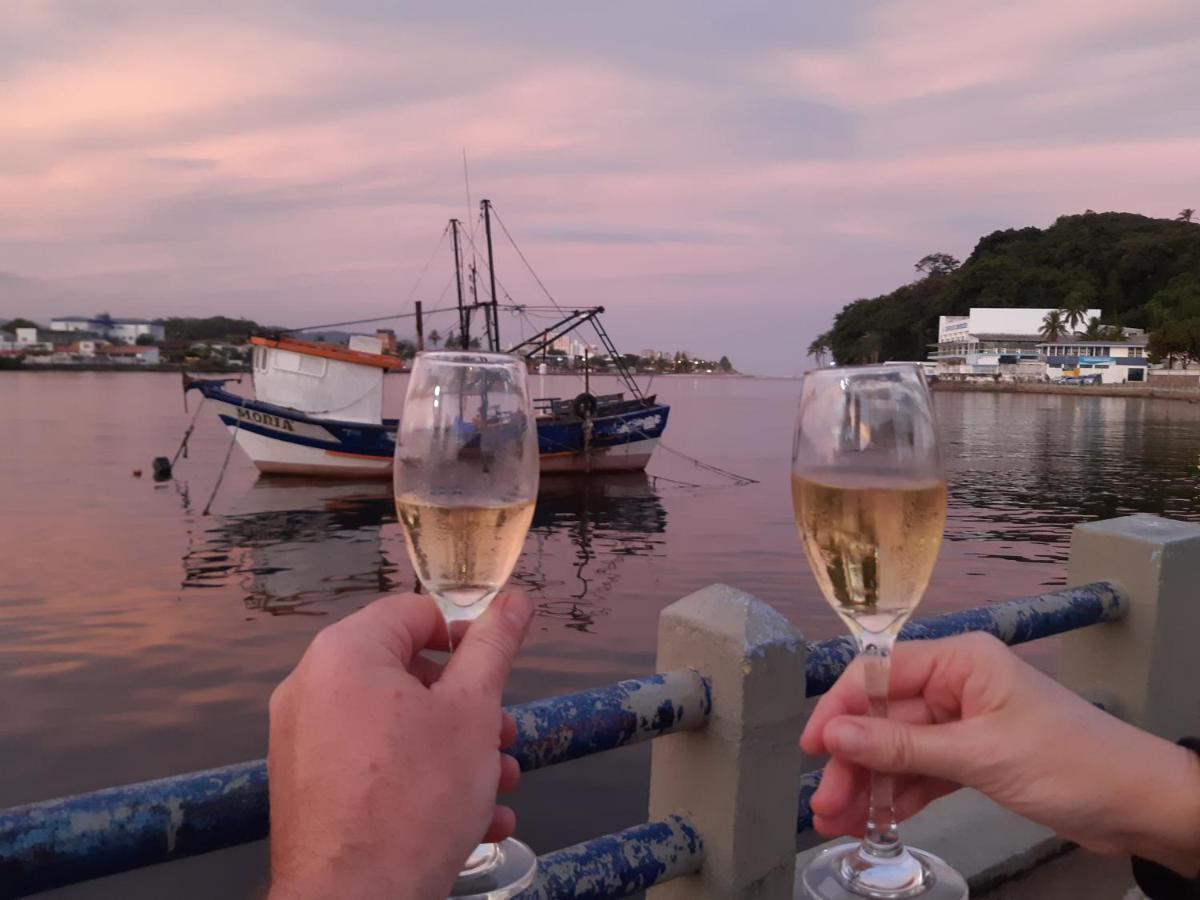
x=818, y=348
x=1075, y=309
x=1053, y=326
x=1185, y=215
x=1095, y=331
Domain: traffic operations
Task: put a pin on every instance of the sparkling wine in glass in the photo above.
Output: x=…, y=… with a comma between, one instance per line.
x=466, y=479
x=869, y=495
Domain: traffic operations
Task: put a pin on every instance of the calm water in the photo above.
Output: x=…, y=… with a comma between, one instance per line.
x=139, y=638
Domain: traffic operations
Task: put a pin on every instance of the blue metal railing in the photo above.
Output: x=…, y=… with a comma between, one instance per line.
x=59, y=842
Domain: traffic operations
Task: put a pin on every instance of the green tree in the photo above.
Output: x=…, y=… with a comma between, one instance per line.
x=1075, y=306
x=451, y=340
x=13, y=324
x=1053, y=326
x=819, y=348
x=1125, y=259
x=145, y=340
x=725, y=365
x=434, y=338
x=1095, y=330
x=936, y=264
x=1113, y=333
x=1185, y=214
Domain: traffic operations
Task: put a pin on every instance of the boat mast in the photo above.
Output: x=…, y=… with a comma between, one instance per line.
x=464, y=315
x=494, y=311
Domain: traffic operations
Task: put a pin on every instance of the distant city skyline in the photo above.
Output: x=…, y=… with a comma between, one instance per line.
x=721, y=177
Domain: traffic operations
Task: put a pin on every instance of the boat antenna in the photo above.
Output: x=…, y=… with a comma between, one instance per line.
x=493, y=311
x=464, y=316
x=467, y=182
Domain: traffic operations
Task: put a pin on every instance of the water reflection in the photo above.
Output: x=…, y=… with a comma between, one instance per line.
x=264, y=544
x=292, y=547
x=603, y=521
x=1028, y=472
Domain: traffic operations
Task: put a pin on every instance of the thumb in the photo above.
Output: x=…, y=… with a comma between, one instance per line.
x=490, y=646
x=942, y=751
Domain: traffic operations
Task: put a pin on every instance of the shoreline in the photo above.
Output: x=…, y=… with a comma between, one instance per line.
x=1141, y=391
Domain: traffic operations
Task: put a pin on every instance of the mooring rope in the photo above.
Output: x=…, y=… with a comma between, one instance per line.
x=221, y=475
x=187, y=434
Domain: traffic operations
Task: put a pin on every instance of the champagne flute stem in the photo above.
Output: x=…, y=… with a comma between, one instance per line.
x=882, y=837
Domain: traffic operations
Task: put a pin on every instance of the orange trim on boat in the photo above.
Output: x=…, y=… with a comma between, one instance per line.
x=357, y=455
x=330, y=351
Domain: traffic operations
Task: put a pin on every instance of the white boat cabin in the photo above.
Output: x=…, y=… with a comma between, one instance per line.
x=334, y=382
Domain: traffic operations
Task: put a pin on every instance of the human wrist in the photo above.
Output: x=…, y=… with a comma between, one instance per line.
x=330, y=878
x=1164, y=815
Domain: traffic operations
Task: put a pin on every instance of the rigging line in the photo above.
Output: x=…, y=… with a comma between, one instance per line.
x=413, y=290
x=374, y=319
x=524, y=260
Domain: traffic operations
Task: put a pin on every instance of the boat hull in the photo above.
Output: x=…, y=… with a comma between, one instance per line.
x=282, y=441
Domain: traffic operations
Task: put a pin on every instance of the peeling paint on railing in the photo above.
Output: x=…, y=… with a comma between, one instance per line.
x=620, y=864
x=1014, y=622
x=563, y=728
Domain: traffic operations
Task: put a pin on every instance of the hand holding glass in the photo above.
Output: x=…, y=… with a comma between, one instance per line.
x=466, y=479
x=869, y=495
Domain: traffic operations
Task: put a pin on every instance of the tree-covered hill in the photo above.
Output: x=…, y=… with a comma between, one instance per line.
x=1140, y=272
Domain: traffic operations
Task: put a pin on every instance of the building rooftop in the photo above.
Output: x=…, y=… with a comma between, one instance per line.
x=997, y=336
x=1107, y=342
x=114, y=320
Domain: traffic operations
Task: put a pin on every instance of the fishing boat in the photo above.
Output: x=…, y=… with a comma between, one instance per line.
x=317, y=408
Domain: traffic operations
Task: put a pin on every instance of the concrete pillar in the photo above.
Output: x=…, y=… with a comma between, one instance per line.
x=1145, y=665
x=736, y=779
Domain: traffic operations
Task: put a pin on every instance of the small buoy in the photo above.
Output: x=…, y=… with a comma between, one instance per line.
x=162, y=468
x=137, y=473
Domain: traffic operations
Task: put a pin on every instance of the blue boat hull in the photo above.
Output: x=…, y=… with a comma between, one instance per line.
x=283, y=441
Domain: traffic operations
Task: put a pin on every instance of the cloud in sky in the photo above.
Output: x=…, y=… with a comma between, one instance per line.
x=722, y=177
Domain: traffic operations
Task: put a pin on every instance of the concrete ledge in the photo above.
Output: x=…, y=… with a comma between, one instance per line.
x=986, y=843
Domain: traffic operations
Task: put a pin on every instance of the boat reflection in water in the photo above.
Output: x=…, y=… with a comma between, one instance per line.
x=603, y=520
x=293, y=547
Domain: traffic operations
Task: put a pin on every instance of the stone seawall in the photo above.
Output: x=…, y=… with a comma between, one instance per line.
x=1145, y=391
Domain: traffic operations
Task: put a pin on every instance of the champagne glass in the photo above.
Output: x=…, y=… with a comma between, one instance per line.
x=869, y=495
x=466, y=479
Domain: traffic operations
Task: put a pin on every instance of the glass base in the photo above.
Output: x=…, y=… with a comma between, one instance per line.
x=496, y=872
x=839, y=872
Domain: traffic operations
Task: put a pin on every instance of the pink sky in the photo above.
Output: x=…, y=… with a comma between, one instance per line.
x=723, y=177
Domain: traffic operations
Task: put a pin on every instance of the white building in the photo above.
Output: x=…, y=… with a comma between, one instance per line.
x=30, y=338
x=1008, y=343
x=115, y=329
x=1115, y=362
x=574, y=348
x=977, y=343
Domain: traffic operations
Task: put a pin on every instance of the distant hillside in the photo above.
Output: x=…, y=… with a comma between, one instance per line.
x=1141, y=272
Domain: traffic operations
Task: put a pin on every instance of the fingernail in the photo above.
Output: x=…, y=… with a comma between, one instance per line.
x=516, y=609
x=847, y=737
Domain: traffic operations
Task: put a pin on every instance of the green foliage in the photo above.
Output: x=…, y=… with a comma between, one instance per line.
x=1118, y=262
x=937, y=264
x=214, y=328
x=1054, y=325
x=13, y=324
x=145, y=340
x=725, y=365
